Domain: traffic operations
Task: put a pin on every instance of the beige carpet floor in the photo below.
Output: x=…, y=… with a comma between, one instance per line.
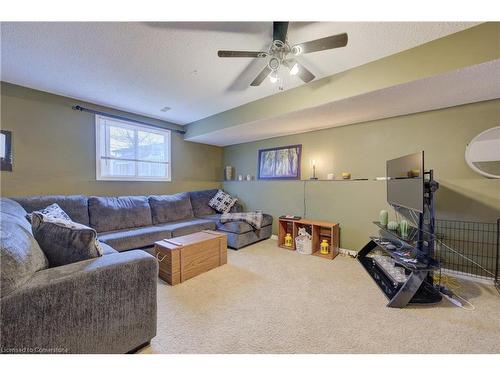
x=270, y=300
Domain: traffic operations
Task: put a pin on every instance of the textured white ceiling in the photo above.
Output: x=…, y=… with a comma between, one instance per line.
x=472, y=84
x=143, y=67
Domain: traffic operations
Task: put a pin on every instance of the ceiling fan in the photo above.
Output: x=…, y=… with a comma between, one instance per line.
x=280, y=52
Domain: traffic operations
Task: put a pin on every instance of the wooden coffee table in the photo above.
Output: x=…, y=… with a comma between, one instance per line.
x=181, y=258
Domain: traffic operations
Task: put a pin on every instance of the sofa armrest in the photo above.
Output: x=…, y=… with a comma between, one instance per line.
x=237, y=207
x=101, y=305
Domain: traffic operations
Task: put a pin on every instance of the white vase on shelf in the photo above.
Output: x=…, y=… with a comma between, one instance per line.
x=228, y=173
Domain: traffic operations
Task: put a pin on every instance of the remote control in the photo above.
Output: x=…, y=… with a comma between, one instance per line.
x=290, y=217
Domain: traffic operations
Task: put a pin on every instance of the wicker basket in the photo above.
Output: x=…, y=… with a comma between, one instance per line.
x=303, y=245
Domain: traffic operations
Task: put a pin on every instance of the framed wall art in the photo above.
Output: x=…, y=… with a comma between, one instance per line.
x=280, y=163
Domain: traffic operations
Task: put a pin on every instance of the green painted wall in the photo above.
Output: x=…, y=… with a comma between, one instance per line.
x=481, y=43
x=54, y=150
x=362, y=149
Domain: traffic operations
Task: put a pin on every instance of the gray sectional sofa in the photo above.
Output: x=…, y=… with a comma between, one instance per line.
x=106, y=304
x=137, y=222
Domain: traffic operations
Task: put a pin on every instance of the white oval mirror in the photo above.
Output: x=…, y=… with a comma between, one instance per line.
x=483, y=153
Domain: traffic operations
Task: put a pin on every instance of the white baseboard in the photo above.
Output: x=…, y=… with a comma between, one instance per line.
x=341, y=251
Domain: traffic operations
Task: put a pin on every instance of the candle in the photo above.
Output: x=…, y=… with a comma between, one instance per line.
x=313, y=166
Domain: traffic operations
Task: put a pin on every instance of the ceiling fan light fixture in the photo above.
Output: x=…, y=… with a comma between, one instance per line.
x=294, y=70
x=274, y=63
x=296, y=50
x=273, y=77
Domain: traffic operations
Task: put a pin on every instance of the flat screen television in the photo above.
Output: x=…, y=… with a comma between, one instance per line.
x=405, y=181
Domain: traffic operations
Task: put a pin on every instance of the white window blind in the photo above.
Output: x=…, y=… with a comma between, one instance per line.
x=129, y=151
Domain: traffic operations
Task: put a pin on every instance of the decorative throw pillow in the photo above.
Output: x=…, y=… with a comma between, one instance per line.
x=64, y=241
x=52, y=211
x=222, y=202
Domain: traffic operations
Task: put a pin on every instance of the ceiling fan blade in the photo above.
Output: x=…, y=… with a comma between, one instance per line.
x=329, y=42
x=304, y=74
x=241, y=54
x=279, y=31
x=262, y=76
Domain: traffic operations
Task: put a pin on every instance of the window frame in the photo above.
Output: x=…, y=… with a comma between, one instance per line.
x=136, y=126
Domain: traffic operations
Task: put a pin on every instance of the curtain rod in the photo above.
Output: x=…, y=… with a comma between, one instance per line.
x=83, y=109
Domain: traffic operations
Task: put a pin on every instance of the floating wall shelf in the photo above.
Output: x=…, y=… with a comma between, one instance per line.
x=308, y=180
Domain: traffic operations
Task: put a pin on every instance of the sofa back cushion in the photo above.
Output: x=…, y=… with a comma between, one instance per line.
x=113, y=213
x=20, y=254
x=199, y=201
x=167, y=208
x=76, y=206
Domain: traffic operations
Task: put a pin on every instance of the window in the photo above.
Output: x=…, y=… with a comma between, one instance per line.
x=129, y=151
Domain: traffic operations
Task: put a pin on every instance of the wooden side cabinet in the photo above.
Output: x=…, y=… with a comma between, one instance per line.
x=320, y=230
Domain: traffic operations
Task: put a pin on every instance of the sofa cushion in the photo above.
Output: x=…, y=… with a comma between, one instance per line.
x=76, y=206
x=106, y=249
x=183, y=227
x=237, y=207
x=136, y=238
x=238, y=227
x=237, y=241
x=167, y=208
x=64, y=241
x=20, y=254
x=113, y=213
x=199, y=201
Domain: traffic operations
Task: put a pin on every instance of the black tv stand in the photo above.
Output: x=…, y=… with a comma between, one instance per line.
x=413, y=253
x=415, y=290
